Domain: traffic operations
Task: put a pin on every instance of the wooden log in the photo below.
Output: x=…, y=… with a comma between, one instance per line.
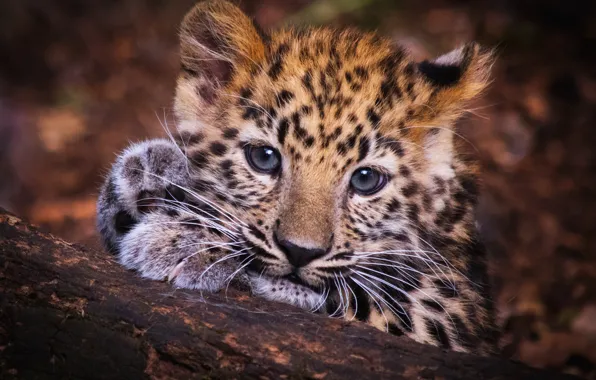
x=70, y=312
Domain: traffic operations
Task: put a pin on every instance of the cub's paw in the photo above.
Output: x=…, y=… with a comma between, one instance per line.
x=163, y=247
x=142, y=180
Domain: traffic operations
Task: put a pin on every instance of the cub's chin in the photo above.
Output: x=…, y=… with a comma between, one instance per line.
x=287, y=291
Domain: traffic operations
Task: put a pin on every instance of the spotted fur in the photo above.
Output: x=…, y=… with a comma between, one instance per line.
x=406, y=259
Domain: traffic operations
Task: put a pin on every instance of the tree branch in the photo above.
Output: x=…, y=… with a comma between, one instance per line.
x=69, y=312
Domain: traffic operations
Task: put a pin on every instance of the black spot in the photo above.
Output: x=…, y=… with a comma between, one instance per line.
x=363, y=148
x=351, y=141
x=261, y=252
x=402, y=237
x=360, y=297
x=463, y=333
x=123, y=222
x=437, y=330
x=404, y=171
x=307, y=82
x=282, y=131
x=226, y=164
x=299, y=132
x=230, y=133
x=306, y=110
x=342, y=148
x=393, y=206
x=199, y=158
x=413, y=212
x=394, y=330
x=246, y=93
x=410, y=189
x=284, y=97
x=348, y=76
x=277, y=63
x=393, y=145
x=440, y=185
x=258, y=234
x=250, y=112
x=186, y=138
x=373, y=118
x=218, y=148
x=361, y=72
x=440, y=75
x=404, y=318
x=433, y=305
x=445, y=288
x=309, y=141
x=175, y=193
x=201, y=185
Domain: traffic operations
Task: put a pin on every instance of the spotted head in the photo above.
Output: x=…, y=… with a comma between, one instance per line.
x=335, y=150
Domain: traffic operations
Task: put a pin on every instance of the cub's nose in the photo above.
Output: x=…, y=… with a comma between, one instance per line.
x=299, y=256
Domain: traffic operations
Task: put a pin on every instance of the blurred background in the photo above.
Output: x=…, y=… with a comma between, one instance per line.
x=79, y=80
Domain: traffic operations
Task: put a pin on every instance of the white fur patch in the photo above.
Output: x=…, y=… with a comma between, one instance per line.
x=281, y=290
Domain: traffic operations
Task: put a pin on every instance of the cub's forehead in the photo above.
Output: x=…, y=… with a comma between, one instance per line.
x=327, y=82
x=323, y=64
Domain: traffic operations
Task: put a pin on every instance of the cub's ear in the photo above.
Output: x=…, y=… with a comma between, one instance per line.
x=216, y=39
x=457, y=76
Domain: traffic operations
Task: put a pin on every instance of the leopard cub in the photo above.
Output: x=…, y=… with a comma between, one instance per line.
x=319, y=168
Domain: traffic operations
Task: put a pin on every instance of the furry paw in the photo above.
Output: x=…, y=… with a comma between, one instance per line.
x=164, y=247
x=143, y=177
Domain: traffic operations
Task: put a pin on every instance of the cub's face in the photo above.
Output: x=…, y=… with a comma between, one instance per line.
x=331, y=152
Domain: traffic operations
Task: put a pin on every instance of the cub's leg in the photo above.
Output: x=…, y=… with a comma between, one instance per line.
x=145, y=217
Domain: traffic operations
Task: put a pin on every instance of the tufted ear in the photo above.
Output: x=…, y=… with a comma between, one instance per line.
x=457, y=76
x=216, y=40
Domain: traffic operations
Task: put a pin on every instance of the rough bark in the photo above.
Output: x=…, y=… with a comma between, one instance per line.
x=68, y=312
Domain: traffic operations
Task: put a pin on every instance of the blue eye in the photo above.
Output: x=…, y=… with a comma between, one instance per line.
x=367, y=181
x=263, y=159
